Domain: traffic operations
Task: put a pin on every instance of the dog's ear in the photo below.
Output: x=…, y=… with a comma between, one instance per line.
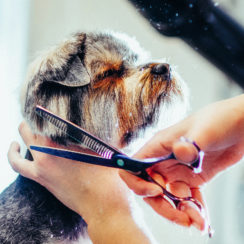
x=73, y=75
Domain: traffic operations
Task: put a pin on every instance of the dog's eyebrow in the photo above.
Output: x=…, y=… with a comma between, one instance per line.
x=113, y=71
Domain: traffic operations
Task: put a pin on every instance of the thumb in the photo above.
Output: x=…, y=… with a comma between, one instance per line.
x=140, y=186
x=185, y=151
x=18, y=163
x=158, y=146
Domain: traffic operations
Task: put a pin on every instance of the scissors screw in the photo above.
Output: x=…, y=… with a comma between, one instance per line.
x=120, y=162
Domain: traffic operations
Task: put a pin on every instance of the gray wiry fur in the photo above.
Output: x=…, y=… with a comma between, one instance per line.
x=96, y=81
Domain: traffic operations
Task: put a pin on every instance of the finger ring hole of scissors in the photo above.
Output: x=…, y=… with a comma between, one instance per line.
x=174, y=200
x=196, y=163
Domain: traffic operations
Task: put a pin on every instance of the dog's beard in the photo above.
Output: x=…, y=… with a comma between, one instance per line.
x=168, y=113
x=150, y=105
x=164, y=105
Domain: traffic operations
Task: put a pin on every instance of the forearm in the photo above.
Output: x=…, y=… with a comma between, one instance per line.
x=110, y=211
x=238, y=110
x=220, y=133
x=230, y=115
x=217, y=125
x=117, y=228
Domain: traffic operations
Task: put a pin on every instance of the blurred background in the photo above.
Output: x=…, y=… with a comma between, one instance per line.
x=27, y=27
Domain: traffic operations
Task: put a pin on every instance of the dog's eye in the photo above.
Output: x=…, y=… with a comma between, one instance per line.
x=110, y=73
x=105, y=74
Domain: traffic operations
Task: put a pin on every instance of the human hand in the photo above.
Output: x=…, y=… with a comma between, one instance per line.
x=218, y=130
x=95, y=192
x=87, y=189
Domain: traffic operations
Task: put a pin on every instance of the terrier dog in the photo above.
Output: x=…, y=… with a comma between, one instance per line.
x=103, y=83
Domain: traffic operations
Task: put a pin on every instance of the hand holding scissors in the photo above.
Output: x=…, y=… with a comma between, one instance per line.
x=218, y=129
x=112, y=157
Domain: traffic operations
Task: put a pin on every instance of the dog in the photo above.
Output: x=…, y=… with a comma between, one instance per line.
x=105, y=83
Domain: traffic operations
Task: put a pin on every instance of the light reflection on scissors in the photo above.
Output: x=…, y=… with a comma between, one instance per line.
x=110, y=156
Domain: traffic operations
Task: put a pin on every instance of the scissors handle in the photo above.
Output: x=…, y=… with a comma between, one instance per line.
x=169, y=196
x=174, y=200
x=135, y=165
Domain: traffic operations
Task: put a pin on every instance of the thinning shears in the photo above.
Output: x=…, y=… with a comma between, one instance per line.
x=110, y=156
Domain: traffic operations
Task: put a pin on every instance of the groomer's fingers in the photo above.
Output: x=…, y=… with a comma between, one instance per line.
x=19, y=164
x=140, y=186
x=197, y=194
x=154, y=197
x=157, y=177
x=165, y=209
x=29, y=138
x=26, y=133
x=185, y=151
x=158, y=146
x=181, y=189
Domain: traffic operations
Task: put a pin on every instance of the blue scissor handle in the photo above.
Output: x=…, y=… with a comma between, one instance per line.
x=135, y=165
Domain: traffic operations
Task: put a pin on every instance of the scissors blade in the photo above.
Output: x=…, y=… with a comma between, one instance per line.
x=118, y=161
x=78, y=134
x=82, y=157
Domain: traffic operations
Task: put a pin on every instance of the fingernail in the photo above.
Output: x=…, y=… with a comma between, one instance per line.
x=195, y=207
x=199, y=226
x=184, y=139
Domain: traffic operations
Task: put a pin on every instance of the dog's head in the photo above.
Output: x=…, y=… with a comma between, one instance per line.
x=99, y=81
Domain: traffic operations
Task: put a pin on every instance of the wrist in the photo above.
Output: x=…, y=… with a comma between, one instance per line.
x=109, y=198
x=117, y=227
x=110, y=217
x=238, y=111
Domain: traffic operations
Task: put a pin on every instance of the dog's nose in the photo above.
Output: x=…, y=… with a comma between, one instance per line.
x=161, y=69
